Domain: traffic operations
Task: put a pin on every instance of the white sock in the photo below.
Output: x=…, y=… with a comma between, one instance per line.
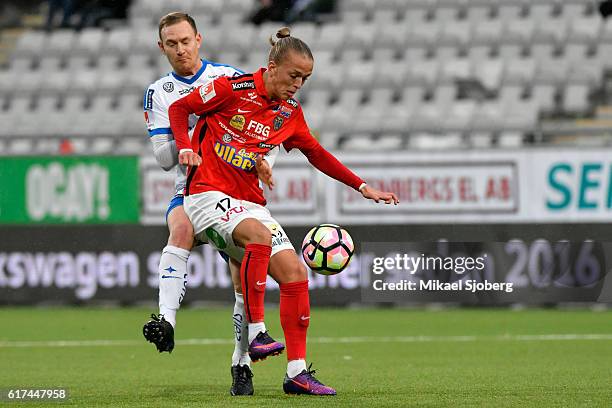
x=294, y=367
x=241, y=330
x=255, y=329
x=172, y=281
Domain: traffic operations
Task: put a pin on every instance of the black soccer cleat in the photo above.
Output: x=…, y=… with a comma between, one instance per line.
x=159, y=332
x=242, y=380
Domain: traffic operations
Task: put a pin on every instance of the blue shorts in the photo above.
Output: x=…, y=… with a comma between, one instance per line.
x=176, y=201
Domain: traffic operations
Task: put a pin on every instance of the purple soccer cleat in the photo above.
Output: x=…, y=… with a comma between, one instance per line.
x=264, y=346
x=306, y=383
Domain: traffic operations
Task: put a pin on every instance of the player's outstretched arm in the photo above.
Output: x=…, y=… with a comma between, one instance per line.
x=377, y=195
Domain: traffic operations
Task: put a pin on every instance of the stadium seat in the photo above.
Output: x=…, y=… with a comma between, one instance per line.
x=89, y=41
x=61, y=43
x=448, y=11
x=305, y=31
x=435, y=141
x=575, y=99
x=84, y=81
x=487, y=117
x=519, y=71
x=458, y=117
x=233, y=58
x=454, y=70
x=423, y=34
x=397, y=118
x=392, y=35
x=455, y=33
x=424, y=72
x=360, y=75
x=240, y=38
x=50, y=63
x=486, y=32
x=518, y=32
x=19, y=64
x=331, y=37
x=479, y=11
x=29, y=82
x=361, y=37
x=354, y=17
x=585, y=29
x=31, y=43
x=76, y=63
x=509, y=10
x=364, y=5
x=545, y=96
x=510, y=139
x=327, y=76
x=118, y=41
x=488, y=72
x=208, y=7
x=382, y=16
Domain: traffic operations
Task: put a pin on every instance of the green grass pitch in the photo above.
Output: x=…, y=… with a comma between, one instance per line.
x=373, y=357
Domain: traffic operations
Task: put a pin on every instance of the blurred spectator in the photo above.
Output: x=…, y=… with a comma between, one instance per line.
x=272, y=10
x=67, y=9
x=85, y=13
x=309, y=10
x=93, y=12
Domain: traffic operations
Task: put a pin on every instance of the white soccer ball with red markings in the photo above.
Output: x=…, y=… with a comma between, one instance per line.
x=327, y=249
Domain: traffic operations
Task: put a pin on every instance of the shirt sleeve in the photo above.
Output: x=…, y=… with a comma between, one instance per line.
x=271, y=156
x=156, y=113
x=158, y=126
x=320, y=158
x=210, y=97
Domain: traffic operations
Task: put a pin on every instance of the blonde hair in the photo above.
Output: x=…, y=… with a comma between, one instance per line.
x=285, y=43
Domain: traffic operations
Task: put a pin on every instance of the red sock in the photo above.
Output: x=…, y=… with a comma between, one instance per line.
x=295, y=316
x=253, y=274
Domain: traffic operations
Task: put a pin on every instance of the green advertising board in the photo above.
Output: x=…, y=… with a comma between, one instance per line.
x=58, y=190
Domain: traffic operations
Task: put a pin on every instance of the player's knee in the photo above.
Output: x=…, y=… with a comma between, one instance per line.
x=296, y=272
x=261, y=235
x=181, y=234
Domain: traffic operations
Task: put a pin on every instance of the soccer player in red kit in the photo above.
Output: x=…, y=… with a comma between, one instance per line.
x=241, y=119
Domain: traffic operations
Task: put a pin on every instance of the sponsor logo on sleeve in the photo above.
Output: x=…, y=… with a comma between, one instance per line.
x=149, y=99
x=168, y=87
x=237, y=122
x=207, y=91
x=263, y=145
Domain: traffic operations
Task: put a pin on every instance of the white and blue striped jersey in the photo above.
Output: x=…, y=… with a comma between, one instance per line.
x=158, y=98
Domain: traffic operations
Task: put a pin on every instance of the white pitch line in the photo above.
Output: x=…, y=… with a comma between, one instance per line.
x=320, y=340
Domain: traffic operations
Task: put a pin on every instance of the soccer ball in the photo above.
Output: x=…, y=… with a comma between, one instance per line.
x=327, y=249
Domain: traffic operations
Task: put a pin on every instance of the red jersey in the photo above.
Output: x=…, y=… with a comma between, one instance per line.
x=239, y=121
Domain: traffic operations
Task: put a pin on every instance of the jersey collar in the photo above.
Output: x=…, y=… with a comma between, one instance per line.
x=195, y=77
x=259, y=83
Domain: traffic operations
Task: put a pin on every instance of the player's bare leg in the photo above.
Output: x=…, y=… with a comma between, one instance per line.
x=256, y=240
x=292, y=277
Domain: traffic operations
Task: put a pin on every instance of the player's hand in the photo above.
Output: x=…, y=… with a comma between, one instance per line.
x=377, y=195
x=264, y=171
x=188, y=158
